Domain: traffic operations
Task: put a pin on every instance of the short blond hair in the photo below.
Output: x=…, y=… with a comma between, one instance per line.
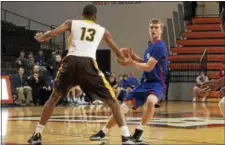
x=157, y=21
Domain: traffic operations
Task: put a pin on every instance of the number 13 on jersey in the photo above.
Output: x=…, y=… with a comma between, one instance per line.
x=87, y=34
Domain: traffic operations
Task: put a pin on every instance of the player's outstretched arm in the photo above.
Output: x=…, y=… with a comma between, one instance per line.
x=214, y=84
x=112, y=45
x=42, y=37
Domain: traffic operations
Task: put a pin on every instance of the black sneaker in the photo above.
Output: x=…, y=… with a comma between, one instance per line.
x=127, y=141
x=35, y=139
x=137, y=134
x=136, y=137
x=98, y=136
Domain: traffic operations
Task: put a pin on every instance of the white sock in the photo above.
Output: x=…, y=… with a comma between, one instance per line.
x=105, y=130
x=125, y=131
x=204, y=99
x=74, y=99
x=140, y=127
x=39, y=128
x=194, y=99
x=68, y=99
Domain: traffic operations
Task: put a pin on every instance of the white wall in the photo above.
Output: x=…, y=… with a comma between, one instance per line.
x=51, y=13
x=181, y=91
x=128, y=23
x=210, y=8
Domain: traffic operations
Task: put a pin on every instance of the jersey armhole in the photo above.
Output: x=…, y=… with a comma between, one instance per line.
x=72, y=26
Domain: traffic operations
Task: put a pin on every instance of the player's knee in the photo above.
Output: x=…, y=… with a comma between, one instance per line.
x=195, y=88
x=152, y=100
x=124, y=108
x=20, y=90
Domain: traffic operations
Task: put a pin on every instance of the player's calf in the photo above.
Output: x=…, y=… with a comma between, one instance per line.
x=152, y=100
x=49, y=106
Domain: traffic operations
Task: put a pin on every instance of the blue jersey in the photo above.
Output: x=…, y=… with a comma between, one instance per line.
x=158, y=51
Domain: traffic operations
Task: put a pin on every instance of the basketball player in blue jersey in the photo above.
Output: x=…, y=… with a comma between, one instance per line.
x=152, y=87
x=219, y=83
x=79, y=67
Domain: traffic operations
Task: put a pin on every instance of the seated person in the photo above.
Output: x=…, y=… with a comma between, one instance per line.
x=74, y=96
x=197, y=90
x=40, y=88
x=222, y=72
x=119, y=91
x=128, y=83
x=40, y=58
x=23, y=91
x=132, y=81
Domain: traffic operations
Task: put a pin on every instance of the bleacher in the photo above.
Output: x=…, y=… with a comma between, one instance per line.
x=204, y=34
x=17, y=37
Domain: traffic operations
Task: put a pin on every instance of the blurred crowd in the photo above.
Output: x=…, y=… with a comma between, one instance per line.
x=33, y=82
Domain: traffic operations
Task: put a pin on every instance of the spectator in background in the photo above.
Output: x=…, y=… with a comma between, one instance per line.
x=113, y=83
x=41, y=72
x=21, y=61
x=56, y=64
x=197, y=91
x=37, y=70
x=120, y=81
x=222, y=72
x=31, y=63
x=113, y=74
x=127, y=85
x=23, y=91
x=221, y=6
x=52, y=58
x=194, y=6
x=50, y=63
x=119, y=91
x=132, y=81
x=78, y=95
x=189, y=11
x=40, y=58
x=50, y=84
x=39, y=88
x=124, y=81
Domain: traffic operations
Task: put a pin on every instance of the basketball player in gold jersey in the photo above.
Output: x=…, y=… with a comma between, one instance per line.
x=80, y=68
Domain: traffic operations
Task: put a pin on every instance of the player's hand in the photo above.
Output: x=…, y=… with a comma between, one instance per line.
x=121, y=61
x=120, y=58
x=127, y=60
x=221, y=92
x=211, y=85
x=38, y=36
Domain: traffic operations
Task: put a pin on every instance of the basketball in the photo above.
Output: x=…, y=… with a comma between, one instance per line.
x=125, y=51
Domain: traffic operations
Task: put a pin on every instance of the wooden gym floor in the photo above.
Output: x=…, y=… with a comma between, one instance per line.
x=173, y=123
